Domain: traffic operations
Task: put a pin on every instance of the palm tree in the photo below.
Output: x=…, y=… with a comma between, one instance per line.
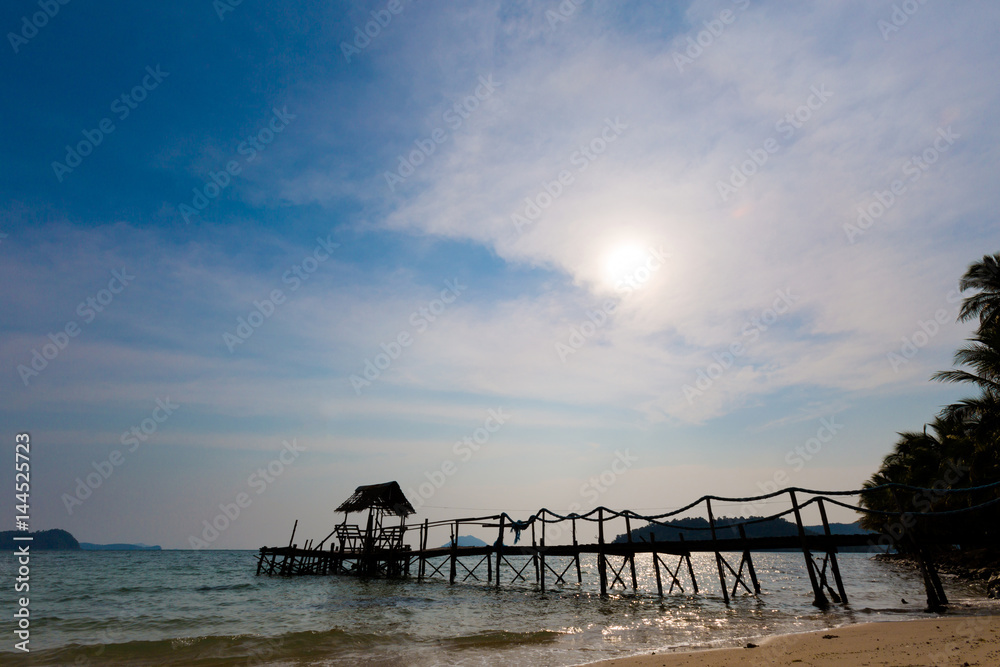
x=963, y=448
x=982, y=354
x=985, y=277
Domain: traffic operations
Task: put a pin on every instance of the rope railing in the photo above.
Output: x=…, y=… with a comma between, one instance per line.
x=607, y=513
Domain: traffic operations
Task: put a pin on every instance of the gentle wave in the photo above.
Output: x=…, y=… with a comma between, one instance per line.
x=220, y=650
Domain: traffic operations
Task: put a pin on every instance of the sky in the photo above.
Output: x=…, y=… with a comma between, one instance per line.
x=510, y=254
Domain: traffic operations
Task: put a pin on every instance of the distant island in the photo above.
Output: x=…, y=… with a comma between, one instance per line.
x=88, y=546
x=60, y=540
x=697, y=528
x=466, y=541
x=42, y=540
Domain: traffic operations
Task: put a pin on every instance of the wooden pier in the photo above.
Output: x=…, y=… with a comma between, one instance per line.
x=381, y=551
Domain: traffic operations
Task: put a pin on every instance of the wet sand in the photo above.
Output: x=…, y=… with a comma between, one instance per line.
x=967, y=640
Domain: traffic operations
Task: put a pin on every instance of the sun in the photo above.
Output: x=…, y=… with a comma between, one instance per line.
x=622, y=262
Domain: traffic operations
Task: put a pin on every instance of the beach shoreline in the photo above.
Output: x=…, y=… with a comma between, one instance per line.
x=952, y=640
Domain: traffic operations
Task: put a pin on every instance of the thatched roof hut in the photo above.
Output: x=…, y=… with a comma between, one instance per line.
x=387, y=498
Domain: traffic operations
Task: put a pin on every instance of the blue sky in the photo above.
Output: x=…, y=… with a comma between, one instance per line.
x=632, y=230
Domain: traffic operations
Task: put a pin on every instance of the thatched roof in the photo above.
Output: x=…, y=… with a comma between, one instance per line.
x=387, y=497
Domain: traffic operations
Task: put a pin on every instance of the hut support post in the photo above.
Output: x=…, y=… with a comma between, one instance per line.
x=422, y=557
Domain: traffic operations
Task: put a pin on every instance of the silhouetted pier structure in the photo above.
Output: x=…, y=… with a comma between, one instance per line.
x=379, y=550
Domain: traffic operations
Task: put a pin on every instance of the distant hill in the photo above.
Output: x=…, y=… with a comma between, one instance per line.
x=843, y=529
x=697, y=528
x=87, y=546
x=466, y=541
x=43, y=540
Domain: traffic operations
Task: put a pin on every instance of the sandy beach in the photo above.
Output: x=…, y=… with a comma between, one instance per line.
x=971, y=640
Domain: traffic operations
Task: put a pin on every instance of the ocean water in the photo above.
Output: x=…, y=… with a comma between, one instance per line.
x=208, y=608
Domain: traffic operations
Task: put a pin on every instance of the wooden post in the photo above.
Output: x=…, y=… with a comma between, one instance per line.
x=819, y=599
x=260, y=560
x=687, y=557
x=454, y=554
x=718, y=556
x=601, y=571
x=534, y=553
x=293, y=532
x=576, y=556
x=749, y=560
x=656, y=565
x=541, y=559
x=832, y=552
x=541, y=556
x=422, y=557
x=935, y=594
x=365, y=564
x=489, y=567
x=631, y=554
x=499, y=547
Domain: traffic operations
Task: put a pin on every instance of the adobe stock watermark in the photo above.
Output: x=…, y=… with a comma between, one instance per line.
x=925, y=331
x=88, y=310
x=705, y=38
x=223, y=7
x=899, y=17
x=922, y=501
x=913, y=169
x=581, y=158
x=258, y=481
x=31, y=25
x=633, y=278
x=381, y=18
x=786, y=126
x=750, y=333
x=562, y=13
x=596, y=486
x=796, y=459
x=132, y=439
x=420, y=320
x=249, y=148
x=464, y=449
x=294, y=277
x=581, y=333
x=122, y=106
x=453, y=118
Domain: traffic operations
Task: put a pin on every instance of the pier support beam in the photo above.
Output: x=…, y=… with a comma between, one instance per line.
x=656, y=565
x=576, y=555
x=718, y=556
x=832, y=554
x=499, y=547
x=631, y=554
x=601, y=565
x=819, y=598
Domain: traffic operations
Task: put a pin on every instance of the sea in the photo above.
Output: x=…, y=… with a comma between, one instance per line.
x=209, y=608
